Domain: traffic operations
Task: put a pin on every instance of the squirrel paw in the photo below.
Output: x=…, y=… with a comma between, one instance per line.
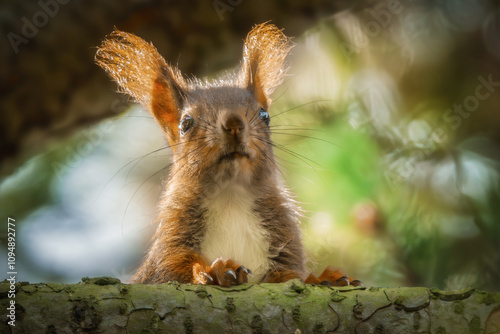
x=335, y=277
x=222, y=272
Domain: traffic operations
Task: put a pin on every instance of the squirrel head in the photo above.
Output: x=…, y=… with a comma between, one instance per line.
x=218, y=129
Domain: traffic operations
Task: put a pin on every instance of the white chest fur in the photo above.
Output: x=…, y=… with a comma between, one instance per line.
x=233, y=231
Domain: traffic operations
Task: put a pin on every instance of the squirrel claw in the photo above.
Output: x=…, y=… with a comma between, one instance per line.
x=231, y=273
x=209, y=278
x=342, y=281
x=356, y=283
x=245, y=270
x=225, y=272
x=243, y=273
x=331, y=276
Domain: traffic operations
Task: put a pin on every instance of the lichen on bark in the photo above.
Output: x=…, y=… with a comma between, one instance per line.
x=105, y=305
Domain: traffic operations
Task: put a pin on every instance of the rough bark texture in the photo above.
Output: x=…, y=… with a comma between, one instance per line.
x=104, y=305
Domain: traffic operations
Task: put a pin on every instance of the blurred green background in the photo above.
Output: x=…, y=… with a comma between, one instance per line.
x=388, y=131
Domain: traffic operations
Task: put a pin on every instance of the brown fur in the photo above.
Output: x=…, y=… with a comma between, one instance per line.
x=226, y=116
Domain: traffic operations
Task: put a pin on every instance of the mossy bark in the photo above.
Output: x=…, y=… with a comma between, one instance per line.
x=105, y=305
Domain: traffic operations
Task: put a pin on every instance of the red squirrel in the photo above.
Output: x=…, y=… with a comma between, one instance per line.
x=225, y=216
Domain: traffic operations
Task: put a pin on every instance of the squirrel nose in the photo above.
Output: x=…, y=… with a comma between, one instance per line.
x=233, y=127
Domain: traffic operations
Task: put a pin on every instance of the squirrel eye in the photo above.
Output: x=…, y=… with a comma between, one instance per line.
x=264, y=116
x=186, y=124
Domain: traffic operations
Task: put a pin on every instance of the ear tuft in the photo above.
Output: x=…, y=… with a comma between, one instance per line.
x=263, y=69
x=142, y=73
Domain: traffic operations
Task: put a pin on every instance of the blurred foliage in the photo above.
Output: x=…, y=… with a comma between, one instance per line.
x=388, y=132
x=408, y=191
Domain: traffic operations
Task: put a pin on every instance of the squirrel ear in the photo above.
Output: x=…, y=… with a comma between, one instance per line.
x=167, y=100
x=264, y=54
x=142, y=73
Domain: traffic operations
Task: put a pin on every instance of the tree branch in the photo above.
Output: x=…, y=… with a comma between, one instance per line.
x=105, y=305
